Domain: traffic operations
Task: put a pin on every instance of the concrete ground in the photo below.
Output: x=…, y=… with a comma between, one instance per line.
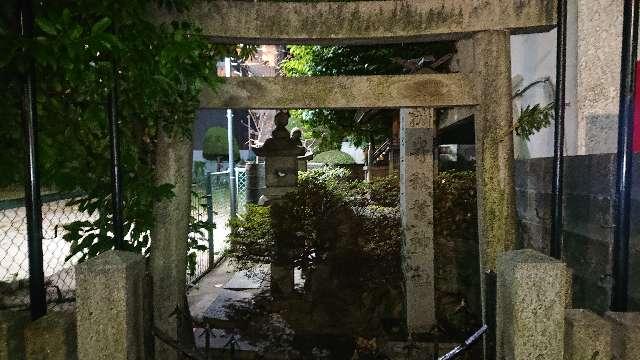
x=208, y=288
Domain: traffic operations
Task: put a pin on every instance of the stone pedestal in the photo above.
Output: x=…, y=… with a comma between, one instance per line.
x=110, y=306
x=587, y=336
x=53, y=337
x=416, y=211
x=533, y=291
x=626, y=335
x=280, y=153
x=12, y=324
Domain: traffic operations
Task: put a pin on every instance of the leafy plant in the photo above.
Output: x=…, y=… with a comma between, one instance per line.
x=333, y=157
x=533, y=119
x=78, y=48
x=216, y=144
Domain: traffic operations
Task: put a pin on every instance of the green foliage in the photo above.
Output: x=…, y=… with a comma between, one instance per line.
x=160, y=70
x=385, y=191
x=333, y=157
x=533, y=119
x=334, y=126
x=216, y=144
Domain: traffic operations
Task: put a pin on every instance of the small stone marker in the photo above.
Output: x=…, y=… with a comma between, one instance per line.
x=281, y=153
x=110, y=306
x=626, y=335
x=533, y=293
x=416, y=209
x=52, y=337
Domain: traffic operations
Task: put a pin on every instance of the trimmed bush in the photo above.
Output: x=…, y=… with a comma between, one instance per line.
x=216, y=146
x=333, y=157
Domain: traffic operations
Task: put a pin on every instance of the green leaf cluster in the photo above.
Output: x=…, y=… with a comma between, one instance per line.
x=79, y=49
x=334, y=126
x=333, y=157
x=216, y=144
x=533, y=119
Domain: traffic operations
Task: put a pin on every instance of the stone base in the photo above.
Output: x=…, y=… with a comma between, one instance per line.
x=403, y=350
x=52, y=337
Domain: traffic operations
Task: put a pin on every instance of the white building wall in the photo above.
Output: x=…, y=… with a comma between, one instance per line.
x=592, y=82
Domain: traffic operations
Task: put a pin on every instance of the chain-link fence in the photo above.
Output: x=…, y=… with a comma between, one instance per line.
x=241, y=189
x=211, y=202
x=14, y=263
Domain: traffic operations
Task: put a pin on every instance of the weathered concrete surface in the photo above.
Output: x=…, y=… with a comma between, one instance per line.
x=626, y=332
x=170, y=232
x=599, y=42
x=52, y=337
x=364, y=22
x=417, y=131
x=110, y=306
x=12, y=325
x=533, y=291
x=587, y=336
x=380, y=91
x=494, y=147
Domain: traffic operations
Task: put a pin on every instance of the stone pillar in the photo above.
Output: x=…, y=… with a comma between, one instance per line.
x=626, y=334
x=494, y=160
x=494, y=147
x=12, y=324
x=587, y=336
x=281, y=153
x=52, y=337
x=533, y=293
x=416, y=211
x=169, y=240
x=110, y=306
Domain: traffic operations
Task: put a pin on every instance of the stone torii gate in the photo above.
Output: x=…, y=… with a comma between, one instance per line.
x=488, y=23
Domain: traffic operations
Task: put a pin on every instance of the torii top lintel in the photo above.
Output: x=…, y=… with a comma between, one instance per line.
x=365, y=22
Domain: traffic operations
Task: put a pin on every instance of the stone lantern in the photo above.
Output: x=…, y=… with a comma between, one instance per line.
x=280, y=153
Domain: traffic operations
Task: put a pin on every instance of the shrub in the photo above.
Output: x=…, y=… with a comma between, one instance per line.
x=216, y=144
x=333, y=157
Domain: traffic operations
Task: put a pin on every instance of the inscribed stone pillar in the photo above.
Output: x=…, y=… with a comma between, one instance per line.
x=533, y=292
x=280, y=153
x=110, y=306
x=416, y=211
x=169, y=239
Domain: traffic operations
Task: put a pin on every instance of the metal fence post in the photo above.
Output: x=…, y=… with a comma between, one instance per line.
x=33, y=204
x=209, y=196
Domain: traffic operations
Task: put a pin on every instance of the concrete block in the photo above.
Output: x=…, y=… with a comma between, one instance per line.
x=52, y=337
x=533, y=291
x=12, y=324
x=110, y=306
x=587, y=336
x=626, y=335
